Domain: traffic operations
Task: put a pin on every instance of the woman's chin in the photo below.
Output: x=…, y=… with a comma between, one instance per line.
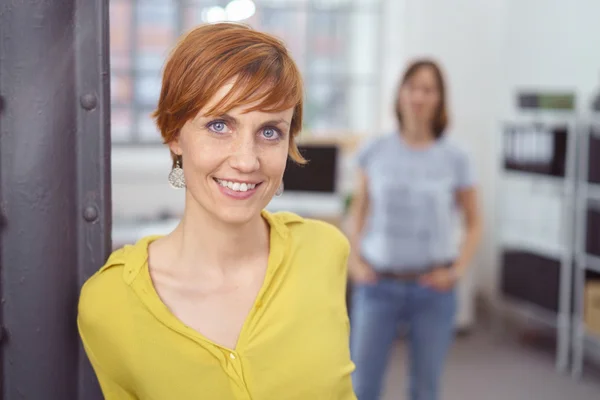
x=238, y=215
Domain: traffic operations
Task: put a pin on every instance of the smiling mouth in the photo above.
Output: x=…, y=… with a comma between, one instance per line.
x=237, y=186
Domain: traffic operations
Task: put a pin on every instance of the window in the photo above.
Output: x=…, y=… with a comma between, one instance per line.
x=120, y=38
x=334, y=42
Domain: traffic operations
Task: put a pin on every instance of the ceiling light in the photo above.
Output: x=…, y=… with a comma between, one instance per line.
x=239, y=10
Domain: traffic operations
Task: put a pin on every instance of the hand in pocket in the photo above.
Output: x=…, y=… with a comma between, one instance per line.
x=361, y=272
x=442, y=279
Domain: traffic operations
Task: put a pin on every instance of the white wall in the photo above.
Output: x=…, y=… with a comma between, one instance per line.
x=554, y=44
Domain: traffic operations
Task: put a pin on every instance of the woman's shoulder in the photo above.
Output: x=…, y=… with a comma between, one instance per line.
x=314, y=234
x=457, y=147
x=375, y=142
x=107, y=289
x=107, y=307
x=372, y=147
x=318, y=230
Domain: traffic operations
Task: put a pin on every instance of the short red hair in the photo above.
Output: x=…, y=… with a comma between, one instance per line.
x=210, y=56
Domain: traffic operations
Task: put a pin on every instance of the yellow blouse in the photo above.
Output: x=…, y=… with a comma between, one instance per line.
x=294, y=344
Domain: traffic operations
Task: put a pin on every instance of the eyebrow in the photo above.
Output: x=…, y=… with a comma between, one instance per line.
x=227, y=118
x=277, y=122
x=233, y=120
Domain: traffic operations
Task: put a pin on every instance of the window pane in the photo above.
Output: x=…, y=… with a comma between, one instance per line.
x=156, y=12
x=120, y=88
x=363, y=106
x=150, y=61
x=327, y=43
x=341, y=105
x=192, y=15
x=120, y=129
x=147, y=89
x=325, y=107
x=288, y=25
x=362, y=44
x=156, y=32
x=147, y=129
x=343, y=42
x=363, y=3
x=202, y=11
x=120, y=25
x=286, y=3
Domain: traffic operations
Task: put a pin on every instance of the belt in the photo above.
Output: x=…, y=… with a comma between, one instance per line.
x=402, y=276
x=408, y=275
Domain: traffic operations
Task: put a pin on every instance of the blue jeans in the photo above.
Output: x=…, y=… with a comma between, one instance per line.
x=378, y=310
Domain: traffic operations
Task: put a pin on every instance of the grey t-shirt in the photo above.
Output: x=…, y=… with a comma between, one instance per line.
x=412, y=195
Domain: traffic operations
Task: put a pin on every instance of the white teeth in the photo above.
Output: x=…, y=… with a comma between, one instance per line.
x=236, y=186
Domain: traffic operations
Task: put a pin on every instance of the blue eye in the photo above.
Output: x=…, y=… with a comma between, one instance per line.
x=217, y=126
x=271, y=133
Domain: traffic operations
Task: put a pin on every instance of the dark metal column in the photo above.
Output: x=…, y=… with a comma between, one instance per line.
x=54, y=189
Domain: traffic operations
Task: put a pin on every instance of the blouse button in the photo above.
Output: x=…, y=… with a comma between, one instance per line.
x=232, y=356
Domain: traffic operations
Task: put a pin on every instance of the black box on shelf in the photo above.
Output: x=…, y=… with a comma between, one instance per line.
x=531, y=278
x=592, y=240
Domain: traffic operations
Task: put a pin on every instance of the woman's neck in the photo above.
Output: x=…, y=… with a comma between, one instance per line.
x=202, y=241
x=418, y=134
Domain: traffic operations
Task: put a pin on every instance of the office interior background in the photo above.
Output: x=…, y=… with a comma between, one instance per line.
x=524, y=80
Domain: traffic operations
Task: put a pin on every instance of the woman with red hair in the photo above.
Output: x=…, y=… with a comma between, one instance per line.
x=236, y=302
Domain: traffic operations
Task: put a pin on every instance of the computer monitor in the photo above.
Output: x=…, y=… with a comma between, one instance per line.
x=319, y=175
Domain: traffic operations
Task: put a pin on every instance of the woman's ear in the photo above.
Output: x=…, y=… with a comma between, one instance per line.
x=175, y=146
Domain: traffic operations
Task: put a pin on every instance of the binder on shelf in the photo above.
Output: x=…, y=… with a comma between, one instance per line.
x=592, y=240
x=594, y=155
x=535, y=148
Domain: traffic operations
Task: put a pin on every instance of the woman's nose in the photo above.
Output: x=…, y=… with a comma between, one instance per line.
x=245, y=156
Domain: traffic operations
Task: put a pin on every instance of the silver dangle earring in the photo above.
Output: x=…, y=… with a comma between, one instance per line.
x=176, y=178
x=279, y=191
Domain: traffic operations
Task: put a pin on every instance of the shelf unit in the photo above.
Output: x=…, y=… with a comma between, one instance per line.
x=586, y=263
x=537, y=260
